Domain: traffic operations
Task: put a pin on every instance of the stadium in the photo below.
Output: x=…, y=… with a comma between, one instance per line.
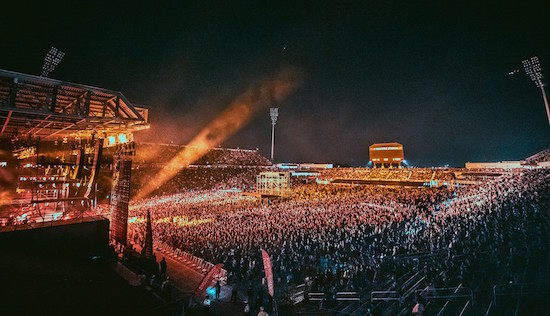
x=239, y=159
x=341, y=240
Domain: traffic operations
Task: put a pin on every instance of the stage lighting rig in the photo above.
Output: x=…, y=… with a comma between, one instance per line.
x=533, y=69
x=52, y=59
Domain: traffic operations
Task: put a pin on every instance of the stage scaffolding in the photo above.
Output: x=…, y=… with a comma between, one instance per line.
x=56, y=133
x=273, y=183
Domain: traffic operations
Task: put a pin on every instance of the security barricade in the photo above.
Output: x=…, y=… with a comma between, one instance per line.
x=198, y=264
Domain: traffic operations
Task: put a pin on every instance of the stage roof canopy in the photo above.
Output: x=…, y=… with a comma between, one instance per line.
x=33, y=106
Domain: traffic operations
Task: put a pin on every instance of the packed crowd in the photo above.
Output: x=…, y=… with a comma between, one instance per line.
x=401, y=174
x=197, y=178
x=543, y=156
x=343, y=237
x=233, y=157
x=158, y=154
x=218, y=169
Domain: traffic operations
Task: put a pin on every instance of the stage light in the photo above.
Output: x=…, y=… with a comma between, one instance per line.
x=122, y=138
x=112, y=140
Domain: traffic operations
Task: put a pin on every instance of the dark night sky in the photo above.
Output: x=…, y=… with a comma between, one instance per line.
x=433, y=76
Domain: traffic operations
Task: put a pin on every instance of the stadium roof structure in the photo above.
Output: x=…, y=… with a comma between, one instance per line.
x=33, y=106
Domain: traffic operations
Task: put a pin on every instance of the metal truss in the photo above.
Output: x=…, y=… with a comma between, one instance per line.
x=33, y=106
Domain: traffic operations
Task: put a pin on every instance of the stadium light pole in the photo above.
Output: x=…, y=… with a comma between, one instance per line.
x=273, y=113
x=532, y=68
x=52, y=59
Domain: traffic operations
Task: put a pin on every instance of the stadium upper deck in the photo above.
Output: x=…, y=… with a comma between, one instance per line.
x=160, y=154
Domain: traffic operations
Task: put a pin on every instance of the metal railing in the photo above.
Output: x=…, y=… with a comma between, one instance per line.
x=200, y=265
x=344, y=296
x=464, y=308
x=446, y=293
x=489, y=309
x=298, y=295
x=384, y=296
x=454, y=295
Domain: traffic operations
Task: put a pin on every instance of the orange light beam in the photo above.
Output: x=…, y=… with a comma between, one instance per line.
x=231, y=120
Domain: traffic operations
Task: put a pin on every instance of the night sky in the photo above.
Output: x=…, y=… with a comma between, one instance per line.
x=430, y=75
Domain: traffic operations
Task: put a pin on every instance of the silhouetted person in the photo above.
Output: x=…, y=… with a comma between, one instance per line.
x=218, y=290
x=163, y=268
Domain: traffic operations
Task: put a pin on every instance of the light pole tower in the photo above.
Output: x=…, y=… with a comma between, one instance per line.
x=52, y=59
x=274, y=113
x=532, y=68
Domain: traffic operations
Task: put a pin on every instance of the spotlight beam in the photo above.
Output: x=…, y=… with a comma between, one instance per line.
x=231, y=120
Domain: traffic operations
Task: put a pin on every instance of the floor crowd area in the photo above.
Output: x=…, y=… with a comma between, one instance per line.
x=365, y=238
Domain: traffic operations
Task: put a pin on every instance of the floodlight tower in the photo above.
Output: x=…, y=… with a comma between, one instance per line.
x=532, y=68
x=273, y=113
x=52, y=59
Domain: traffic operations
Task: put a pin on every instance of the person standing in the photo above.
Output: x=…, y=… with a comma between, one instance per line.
x=218, y=290
x=163, y=268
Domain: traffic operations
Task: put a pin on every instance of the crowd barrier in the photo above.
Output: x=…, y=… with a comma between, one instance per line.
x=385, y=296
x=347, y=296
x=298, y=295
x=200, y=265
